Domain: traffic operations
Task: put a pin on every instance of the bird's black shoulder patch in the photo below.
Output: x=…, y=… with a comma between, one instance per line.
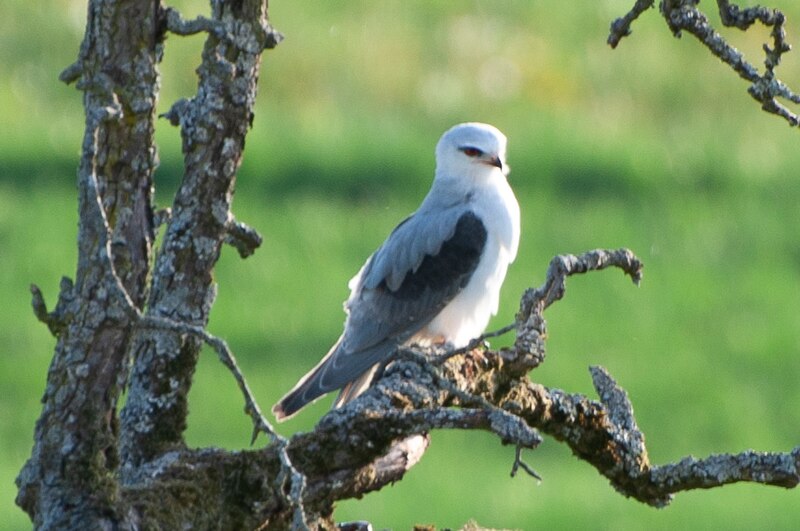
x=448, y=271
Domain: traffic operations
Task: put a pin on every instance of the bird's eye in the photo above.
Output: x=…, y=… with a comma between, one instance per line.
x=471, y=151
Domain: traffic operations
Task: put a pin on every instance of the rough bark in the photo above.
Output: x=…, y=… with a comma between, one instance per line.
x=89, y=471
x=213, y=127
x=68, y=482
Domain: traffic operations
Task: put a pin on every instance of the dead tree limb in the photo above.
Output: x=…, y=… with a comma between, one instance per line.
x=684, y=16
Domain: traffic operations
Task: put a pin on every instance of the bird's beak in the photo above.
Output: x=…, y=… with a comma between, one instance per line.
x=493, y=161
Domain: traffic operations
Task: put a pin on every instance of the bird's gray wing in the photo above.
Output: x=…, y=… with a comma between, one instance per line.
x=403, y=285
x=433, y=262
x=419, y=235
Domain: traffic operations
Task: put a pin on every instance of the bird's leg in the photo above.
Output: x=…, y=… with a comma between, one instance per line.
x=377, y=374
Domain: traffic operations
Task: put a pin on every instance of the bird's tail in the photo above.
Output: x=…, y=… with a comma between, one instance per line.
x=307, y=390
x=338, y=369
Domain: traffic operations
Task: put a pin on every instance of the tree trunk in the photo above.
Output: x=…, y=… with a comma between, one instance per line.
x=69, y=480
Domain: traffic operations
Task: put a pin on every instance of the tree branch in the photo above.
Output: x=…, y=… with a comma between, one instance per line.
x=603, y=433
x=621, y=27
x=683, y=15
x=242, y=237
x=778, y=469
x=213, y=127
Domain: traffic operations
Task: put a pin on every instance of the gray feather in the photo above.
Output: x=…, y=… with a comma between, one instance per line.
x=421, y=234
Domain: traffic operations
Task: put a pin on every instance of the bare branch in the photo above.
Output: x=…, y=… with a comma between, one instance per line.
x=621, y=27
x=243, y=237
x=519, y=463
x=566, y=265
x=176, y=24
x=684, y=15
x=531, y=328
x=225, y=355
x=473, y=344
x=779, y=469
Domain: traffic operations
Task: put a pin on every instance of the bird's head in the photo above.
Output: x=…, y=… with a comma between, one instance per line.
x=471, y=150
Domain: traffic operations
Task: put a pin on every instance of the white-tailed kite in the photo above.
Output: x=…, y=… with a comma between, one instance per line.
x=436, y=278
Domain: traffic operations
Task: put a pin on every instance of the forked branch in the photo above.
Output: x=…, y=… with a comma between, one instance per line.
x=684, y=16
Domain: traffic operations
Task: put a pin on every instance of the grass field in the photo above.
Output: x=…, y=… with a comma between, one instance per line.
x=655, y=146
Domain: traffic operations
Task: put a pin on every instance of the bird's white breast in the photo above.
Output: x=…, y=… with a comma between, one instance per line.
x=467, y=315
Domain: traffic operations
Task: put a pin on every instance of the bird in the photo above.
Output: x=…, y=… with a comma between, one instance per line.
x=436, y=278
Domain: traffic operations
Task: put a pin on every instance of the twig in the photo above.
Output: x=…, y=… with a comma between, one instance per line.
x=473, y=344
x=260, y=423
x=621, y=27
x=778, y=469
x=764, y=88
x=297, y=488
x=519, y=463
x=112, y=111
x=242, y=237
x=566, y=265
x=530, y=323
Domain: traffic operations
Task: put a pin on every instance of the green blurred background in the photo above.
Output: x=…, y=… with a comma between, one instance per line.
x=655, y=146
